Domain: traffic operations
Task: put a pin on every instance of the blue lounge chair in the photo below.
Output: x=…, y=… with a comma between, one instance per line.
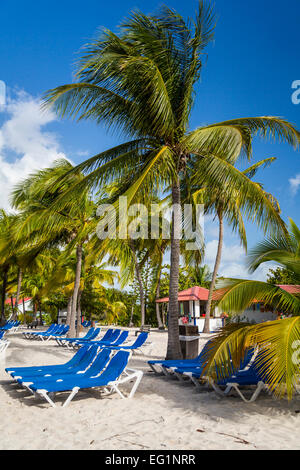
x=34, y=335
x=76, y=343
x=91, y=367
x=6, y=327
x=91, y=334
x=164, y=365
x=47, y=335
x=83, y=361
x=10, y=326
x=118, y=342
x=109, y=336
x=48, y=368
x=107, y=378
x=250, y=376
x=58, y=334
x=195, y=373
x=136, y=346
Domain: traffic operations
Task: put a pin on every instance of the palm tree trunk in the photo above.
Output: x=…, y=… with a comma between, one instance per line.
x=4, y=285
x=174, y=350
x=157, y=295
x=142, y=296
x=40, y=310
x=78, y=328
x=131, y=317
x=206, y=328
x=20, y=275
x=12, y=307
x=69, y=310
x=140, y=283
x=24, y=312
x=34, y=311
x=72, y=330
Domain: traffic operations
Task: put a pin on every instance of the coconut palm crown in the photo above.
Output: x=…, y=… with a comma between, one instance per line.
x=141, y=82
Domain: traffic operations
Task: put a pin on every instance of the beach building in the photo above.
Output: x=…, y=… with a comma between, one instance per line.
x=192, y=306
x=24, y=305
x=260, y=312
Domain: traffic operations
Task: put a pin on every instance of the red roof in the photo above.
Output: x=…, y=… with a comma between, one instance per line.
x=194, y=293
x=200, y=293
x=8, y=301
x=291, y=289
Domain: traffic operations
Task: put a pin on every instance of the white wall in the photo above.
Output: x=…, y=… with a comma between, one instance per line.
x=256, y=316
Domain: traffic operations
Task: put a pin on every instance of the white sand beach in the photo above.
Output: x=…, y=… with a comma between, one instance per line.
x=164, y=414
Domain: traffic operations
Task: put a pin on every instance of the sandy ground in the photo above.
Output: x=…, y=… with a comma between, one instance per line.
x=164, y=414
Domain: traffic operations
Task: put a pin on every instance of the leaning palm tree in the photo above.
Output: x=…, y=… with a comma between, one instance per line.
x=284, y=251
x=8, y=256
x=225, y=204
x=42, y=225
x=140, y=81
x=278, y=340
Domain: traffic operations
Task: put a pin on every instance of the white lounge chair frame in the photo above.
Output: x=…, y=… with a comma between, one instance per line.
x=127, y=375
x=235, y=386
x=3, y=346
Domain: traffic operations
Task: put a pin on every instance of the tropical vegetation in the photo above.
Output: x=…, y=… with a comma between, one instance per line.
x=141, y=81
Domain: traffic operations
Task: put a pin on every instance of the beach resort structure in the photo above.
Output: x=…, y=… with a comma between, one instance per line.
x=24, y=305
x=192, y=307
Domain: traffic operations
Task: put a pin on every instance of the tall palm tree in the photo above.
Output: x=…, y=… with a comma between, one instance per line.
x=278, y=340
x=7, y=255
x=141, y=81
x=43, y=225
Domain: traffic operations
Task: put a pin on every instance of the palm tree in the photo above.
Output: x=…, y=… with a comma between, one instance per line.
x=199, y=275
x=7, y=256
x=285, y=252
x=43, y=225
x=277, y=339
x=141, y=82
x=226, y=205
x=114, y=310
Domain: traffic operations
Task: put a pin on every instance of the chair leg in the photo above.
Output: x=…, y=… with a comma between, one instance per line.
x=44, y=394
x=259, y=388
x=139, y=376
x=71, y=396
x=157, y=372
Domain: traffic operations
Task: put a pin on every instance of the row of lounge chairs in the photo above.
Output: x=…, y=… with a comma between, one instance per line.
x=11, y=326
x=193, y=370
x=91, y=367
x=52, y=332
x=112, y=338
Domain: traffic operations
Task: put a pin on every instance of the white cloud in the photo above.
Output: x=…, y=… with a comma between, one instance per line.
x=233, y=262
x=295, y=183
x=229, y=253
x=24, y=144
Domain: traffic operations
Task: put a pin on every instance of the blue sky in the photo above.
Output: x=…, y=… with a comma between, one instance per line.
x=249, y=72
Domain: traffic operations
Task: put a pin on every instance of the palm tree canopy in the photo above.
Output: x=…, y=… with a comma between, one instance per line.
x=153, y=64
